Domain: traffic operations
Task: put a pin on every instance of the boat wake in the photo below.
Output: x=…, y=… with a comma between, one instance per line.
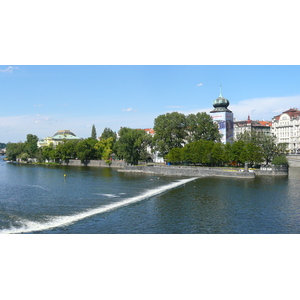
x=31, y=226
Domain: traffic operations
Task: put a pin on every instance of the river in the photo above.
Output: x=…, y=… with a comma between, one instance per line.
x=89, y=200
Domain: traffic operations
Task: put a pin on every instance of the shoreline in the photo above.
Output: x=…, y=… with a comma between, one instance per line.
x=205, y=171
x=186, y=171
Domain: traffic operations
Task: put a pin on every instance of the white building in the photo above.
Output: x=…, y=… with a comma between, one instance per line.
x=286, y=129
x=250, y=126
x=154, y=156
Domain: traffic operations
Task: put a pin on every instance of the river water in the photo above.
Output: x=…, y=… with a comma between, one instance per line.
x=40, y=199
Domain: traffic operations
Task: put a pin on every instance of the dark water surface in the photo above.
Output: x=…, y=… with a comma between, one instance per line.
x=38, y=199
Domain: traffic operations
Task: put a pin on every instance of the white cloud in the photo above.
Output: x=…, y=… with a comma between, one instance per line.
x=199, y=84
x=264, y=108
x=127, y=109
x=258, y=108
x=9, y=69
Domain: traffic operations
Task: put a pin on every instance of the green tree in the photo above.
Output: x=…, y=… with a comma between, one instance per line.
x=132, y=145
x=86, y=150
x=198, y=152
x=170, y=132
x=236, y=151
x=66, y=150
x=14, y=150
x=201, y=126
x=107, y=133
x=30, y=146
x=94, y=133
x=175, y=155
x=266, y=142
x=280, y=160
x=218, y=154
x=104, y=147
x=48, y=152
x=24, y=156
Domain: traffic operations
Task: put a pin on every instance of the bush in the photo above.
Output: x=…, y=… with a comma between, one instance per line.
x=280, y=160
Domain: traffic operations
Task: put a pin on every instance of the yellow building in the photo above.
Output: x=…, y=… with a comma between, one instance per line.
x=57, y=138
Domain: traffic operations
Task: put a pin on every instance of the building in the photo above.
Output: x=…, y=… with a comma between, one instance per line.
x=250, y=126
x=224, y=117
x=286, y=129
x=155, y=155
x=57, y=138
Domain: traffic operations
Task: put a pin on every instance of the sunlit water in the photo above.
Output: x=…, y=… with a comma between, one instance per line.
x=39, y=199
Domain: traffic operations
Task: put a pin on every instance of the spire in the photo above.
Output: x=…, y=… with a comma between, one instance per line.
x=220, y=91
x=249, y=120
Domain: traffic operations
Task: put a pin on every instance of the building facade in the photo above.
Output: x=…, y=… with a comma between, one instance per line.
x=286, y=128
x=57, y=138
x=224, y=118
x=249, y=125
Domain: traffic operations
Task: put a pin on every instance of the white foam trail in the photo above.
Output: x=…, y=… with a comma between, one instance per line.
x=107, y=195
x=40, y=187
x=30, y=226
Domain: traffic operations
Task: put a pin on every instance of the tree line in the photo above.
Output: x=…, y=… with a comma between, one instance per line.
x=260, y=148
x=191, y=139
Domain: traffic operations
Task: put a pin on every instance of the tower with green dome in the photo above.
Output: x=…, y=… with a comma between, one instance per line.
x=224, y=117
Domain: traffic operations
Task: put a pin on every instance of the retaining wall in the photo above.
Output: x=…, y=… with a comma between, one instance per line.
x=294, y=160
x=188, y=171
x=95, y=163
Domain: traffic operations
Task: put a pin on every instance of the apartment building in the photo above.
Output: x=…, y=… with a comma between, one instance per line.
x=286, y=129
x=250, y=125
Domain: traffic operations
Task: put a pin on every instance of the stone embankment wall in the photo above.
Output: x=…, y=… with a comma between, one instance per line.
x=96, y=163
x=272, y=170
x=294, y=160
x=188, y=171
x=206, y=171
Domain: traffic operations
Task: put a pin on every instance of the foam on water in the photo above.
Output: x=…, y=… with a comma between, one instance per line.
x=107, y=195
x=30, y=226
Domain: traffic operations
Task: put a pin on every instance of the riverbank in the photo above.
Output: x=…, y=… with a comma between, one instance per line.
x=206, y=171
x=188, y=171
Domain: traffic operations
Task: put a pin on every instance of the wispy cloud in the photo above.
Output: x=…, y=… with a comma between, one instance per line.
x=129, y=109
x=37, y=105
x=199, y=84
x=9, y=69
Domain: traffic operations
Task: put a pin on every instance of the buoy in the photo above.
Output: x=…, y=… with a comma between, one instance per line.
x=65, y=175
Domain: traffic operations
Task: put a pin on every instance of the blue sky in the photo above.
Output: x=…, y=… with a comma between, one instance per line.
x=42, y=99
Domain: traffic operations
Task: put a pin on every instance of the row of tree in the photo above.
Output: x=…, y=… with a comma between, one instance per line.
x=131, y=146
x=254, y=148
x=180, y=139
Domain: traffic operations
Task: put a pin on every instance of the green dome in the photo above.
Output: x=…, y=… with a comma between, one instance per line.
x=221, y=102
x=64, y=134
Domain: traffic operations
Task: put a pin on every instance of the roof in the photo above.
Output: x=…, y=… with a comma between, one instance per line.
x=65, y=131
x=253, y=123
x=149, y=130
x=292, y=112
x=65, y=134
x=265, y=123
x=220, y=104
